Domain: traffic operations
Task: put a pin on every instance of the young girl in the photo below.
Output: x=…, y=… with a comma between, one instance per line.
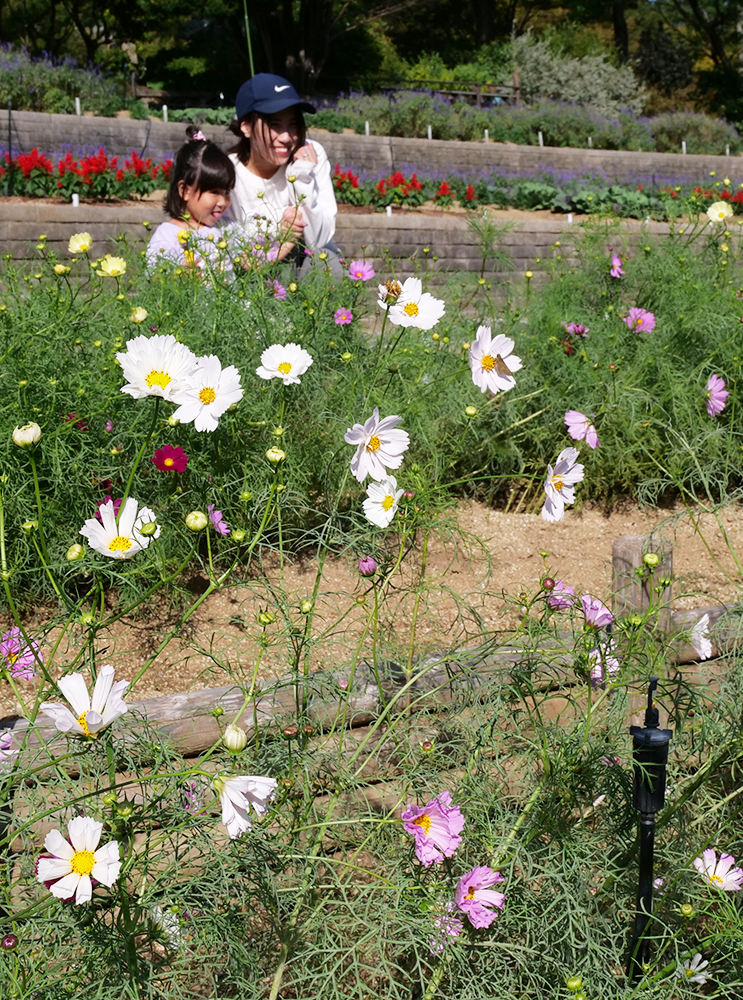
x=282, y=177
x=201, y=181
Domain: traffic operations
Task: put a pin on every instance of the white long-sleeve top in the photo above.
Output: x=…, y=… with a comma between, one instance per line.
x=259, y=197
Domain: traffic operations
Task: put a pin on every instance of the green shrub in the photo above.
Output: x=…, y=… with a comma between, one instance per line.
x=701, y=133
x=51, y=85
x=333, y=121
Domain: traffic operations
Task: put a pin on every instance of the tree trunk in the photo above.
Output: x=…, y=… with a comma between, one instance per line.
x=621, y=34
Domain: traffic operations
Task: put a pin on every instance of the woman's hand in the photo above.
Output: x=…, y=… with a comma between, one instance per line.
x=292, y=224
x=306, y=153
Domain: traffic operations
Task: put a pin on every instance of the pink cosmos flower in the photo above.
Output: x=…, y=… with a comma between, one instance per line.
x=580, y=426
x=276, y=289
x=616, y=266
x=640, y=320
x=342, y=317
x=597, y=614
x=562, y=597
x=109, y=426
x=602, y=664
x=436, y=827
x=8, y=752
x=576, y=329
x=360, y=270
x=215, y=516
x=367, y=566
x=610, y=761
x=716, y=394
x=720, y=874
x=475, y=897
x=19, y=656
x=447, y=926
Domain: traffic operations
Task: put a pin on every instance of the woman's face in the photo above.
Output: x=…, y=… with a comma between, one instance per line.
x=273, y=138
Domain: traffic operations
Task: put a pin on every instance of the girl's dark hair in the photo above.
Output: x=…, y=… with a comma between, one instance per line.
x=199, y=163
x=242, y=147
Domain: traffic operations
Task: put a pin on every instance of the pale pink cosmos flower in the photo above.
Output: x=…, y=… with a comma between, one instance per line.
x=380, y=446
x=559, y=485
x=720, y=874
x=561, y=597
x=342, y=317
x=19, y=656
x=436, y=827
x=493, y=362
x=218, y=523
x=596, y=613
x=603, y=664
x=581, y=427
x=475, y=897
x=699, y=638
x=616, y=266
x=447, y=926
x=360, y=270
x=8, y=752
x=715, y=394
x=640, y=320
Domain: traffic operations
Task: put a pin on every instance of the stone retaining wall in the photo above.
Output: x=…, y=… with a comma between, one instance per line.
x=52, y=133
x=402, y=234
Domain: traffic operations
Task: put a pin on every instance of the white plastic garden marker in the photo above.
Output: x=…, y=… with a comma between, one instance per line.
x=389, y=210
x=570, y=217
x=165, y=113
x=78, y=109
x=366, y=128
x=430, y=132
x=590, y=142
x=76, y=201
x=487, y=136
x=727, y=151
x=541, y=139
x=683, y=147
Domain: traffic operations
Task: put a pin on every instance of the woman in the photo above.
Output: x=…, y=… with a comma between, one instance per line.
x=281, y=176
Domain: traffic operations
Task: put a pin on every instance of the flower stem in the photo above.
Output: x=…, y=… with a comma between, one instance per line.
x=138, y=459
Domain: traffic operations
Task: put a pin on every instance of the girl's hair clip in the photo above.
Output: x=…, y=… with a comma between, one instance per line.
x=199, y=137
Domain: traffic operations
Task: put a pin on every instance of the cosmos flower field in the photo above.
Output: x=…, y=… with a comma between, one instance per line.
x=219, y=422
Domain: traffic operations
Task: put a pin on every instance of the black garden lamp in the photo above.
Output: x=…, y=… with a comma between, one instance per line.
x=650, y=754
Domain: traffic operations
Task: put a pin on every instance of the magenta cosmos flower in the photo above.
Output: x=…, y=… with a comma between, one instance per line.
x=360, y=270
x=215, y=516
x=603, y=664
x=276, y=289
x=475, y=897
x=170, y=458
x=447, y=926
x=18, y=655
x=716, y=394
x=342, y=317
x=616, y=266
x=640, y=320
x=367, y=566
x=720, y=874
x=576, y=329
x=597, y=614
x=562, y=597
x=436, y=827
x=581, y=427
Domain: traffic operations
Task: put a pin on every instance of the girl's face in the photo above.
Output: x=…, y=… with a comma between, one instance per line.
x=205, y=207
x=273, y=138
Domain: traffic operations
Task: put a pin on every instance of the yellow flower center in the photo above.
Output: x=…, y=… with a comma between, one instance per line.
x=411, y=309
x=424, y=822
x=168, y=462
x=121, y=542
x=558, y=483
x=387, y=503
x=83, y=723
x=488, y=362
x=83, y=862
x=470, y=892
x=161, y=379
x=284, y=368
x=373, y=443
x=393, y=289
x=11, y=657
x=689, y=973
x=715, y=880
x=207, y=394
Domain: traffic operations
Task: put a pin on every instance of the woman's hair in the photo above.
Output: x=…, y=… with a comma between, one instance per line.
x=199, y=163
x=242, y=147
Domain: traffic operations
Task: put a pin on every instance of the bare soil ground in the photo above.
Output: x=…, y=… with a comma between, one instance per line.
x=473, y=577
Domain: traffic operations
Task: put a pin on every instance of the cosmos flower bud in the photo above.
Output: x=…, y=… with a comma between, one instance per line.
x=266, y=618
x=651, y=559
x=367, y=566
x=149, y=529
x=305, y=606
x=238, y=535
x=75, y=552
x=235, y=738
x=30, y=525
x=470, y=411
x=275, y=455
x=27, y=436
x=196, y=520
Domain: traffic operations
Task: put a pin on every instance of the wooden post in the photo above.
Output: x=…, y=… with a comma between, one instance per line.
x=634, y=583
x=516, y=89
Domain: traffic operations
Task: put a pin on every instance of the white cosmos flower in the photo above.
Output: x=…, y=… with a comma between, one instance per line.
x=691, y=970
x=560, y=484
x=212, y=390
x=382, y=502
x=413, y=306
x=156, y=366
x=492, y=362
x=380, y=446
x=699, y=638
x=122, y=540
x=237, y=795
x=87, y=717
x=284, y=361
x=76, y=861
x=719, y=212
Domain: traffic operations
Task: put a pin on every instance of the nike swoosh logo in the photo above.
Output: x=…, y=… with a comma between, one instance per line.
x=279, y=89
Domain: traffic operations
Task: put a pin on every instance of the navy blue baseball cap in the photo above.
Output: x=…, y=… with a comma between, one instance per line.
x=267, y=93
